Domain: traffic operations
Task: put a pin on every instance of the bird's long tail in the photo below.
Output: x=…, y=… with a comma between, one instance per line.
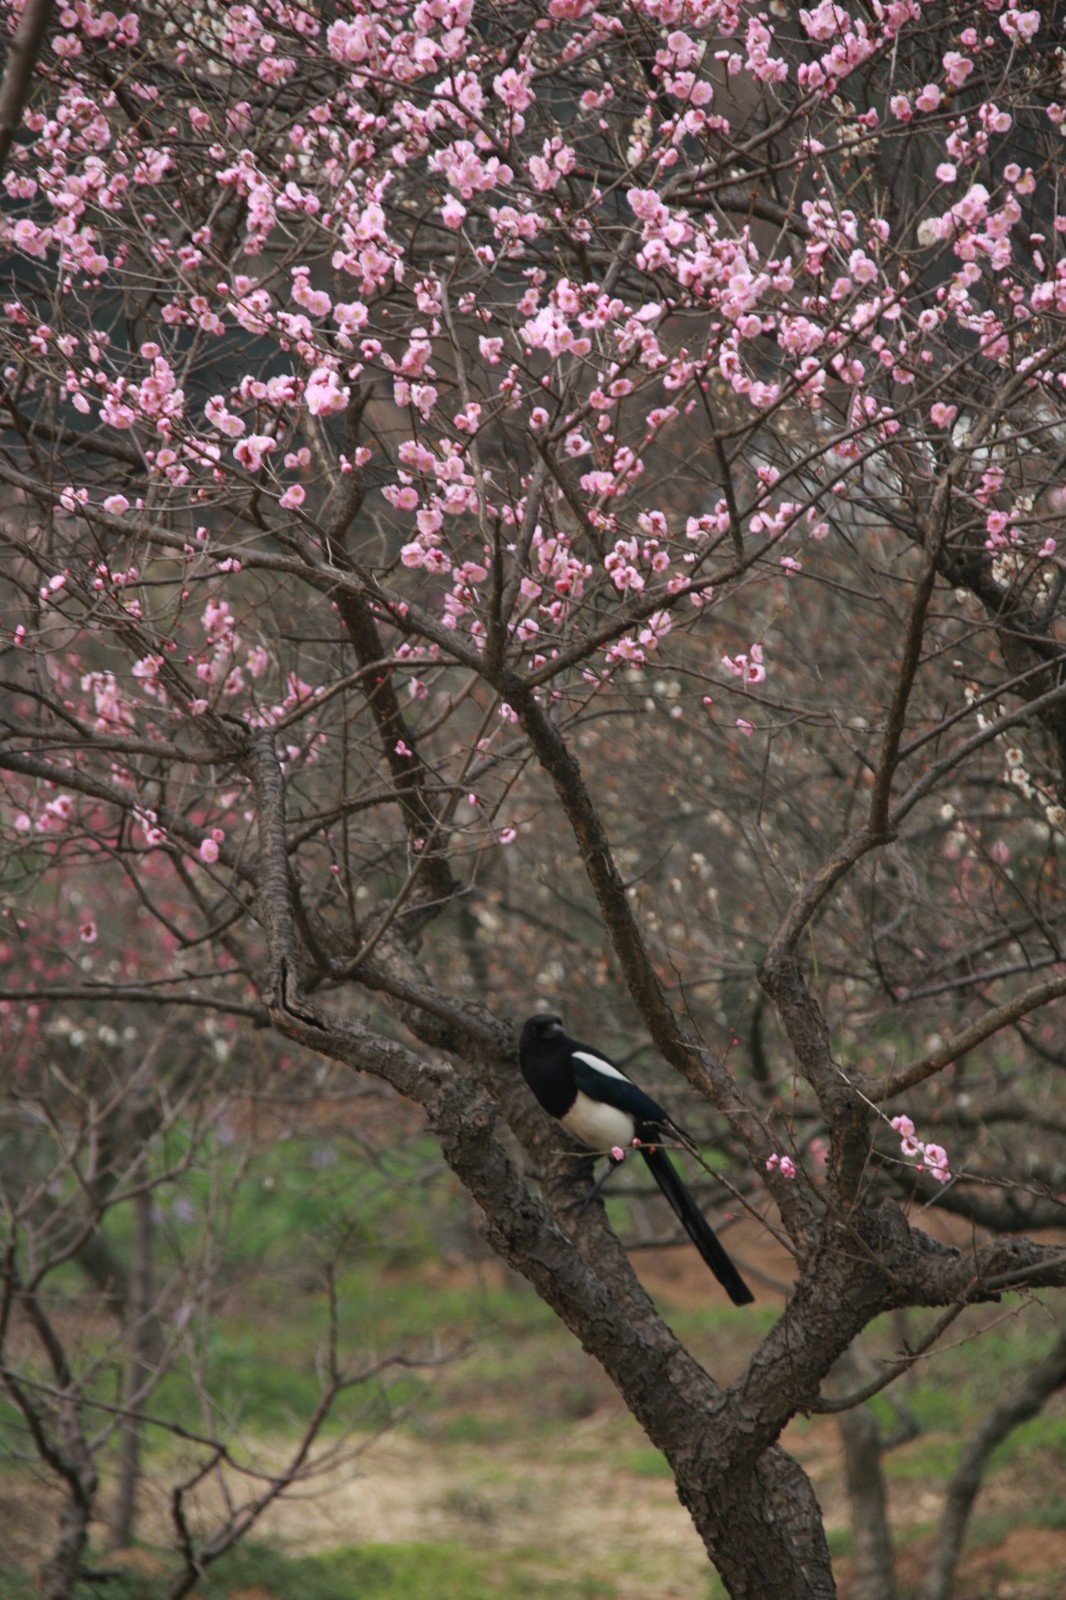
x=696, y=1225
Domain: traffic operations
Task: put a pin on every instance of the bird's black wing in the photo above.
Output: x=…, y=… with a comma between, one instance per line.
x=601, y=1080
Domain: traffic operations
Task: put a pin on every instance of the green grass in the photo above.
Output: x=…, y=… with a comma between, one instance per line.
x=839, y=1541
x=472, y=1427
x=923, y=1459
x=440, y=1571
x=1049, y=1514
x=646, y=1462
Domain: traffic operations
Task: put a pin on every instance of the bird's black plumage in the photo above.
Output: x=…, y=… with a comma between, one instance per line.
x=595, y=1101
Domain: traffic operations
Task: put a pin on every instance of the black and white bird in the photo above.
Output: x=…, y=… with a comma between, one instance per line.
x=595, y=1101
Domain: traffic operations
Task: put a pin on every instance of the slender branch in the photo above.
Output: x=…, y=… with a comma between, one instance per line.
x=897, y=715
x=274, y=891
x=828, y=1407
x=144, y=994
x=968, y=1038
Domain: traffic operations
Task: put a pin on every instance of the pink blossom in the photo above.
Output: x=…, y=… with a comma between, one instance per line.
x=931, y=1157
x=147, y=669
x=972, y=209
x=217, y=620
x=1023, y=25
x=87, y=931
x=208, y=851
x=154, y=835
x=316, y=301
x=513, y=89
x=957, y=68
x=223, y=419
x=250, y=452
x=749, y=667
x=936, y=1159
x=324, y=393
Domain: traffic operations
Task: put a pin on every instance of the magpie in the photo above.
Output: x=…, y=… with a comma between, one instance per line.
x=602, y=1108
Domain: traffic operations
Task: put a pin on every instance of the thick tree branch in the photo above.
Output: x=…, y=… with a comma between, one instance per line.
x=23, y=49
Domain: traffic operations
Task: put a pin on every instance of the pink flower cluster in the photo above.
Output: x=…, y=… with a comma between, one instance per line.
x=931, y=1158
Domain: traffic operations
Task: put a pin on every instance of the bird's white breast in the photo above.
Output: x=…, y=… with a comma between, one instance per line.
x=598, y=1126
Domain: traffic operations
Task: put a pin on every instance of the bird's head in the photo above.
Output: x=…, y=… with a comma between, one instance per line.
x=545, y=1025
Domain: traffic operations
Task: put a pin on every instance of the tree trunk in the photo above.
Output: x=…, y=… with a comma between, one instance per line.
x=141, y=1340
x=872, y=1556
x=73, y=1460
